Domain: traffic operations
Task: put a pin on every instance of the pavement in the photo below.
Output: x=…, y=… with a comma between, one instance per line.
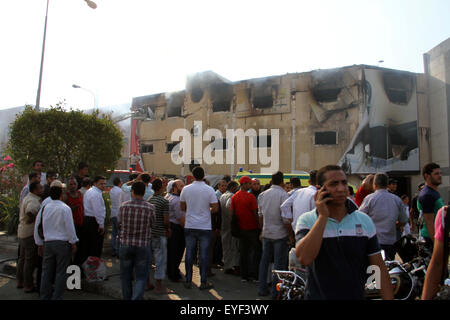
x=226, y=287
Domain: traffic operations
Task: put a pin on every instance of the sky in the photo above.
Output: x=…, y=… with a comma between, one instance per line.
x=125, y=49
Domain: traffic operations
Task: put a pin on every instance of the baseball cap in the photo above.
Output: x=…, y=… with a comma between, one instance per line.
x=244, y=179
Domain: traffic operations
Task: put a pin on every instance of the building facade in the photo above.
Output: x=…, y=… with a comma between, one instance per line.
x=366, y=119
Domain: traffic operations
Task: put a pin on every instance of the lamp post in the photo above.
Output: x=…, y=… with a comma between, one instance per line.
x=91, y=92
x=92, y=5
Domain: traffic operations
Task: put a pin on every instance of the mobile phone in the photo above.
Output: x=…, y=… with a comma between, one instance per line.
x=328, y=195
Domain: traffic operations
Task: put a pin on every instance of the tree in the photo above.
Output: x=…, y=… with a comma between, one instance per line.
x=61, y=139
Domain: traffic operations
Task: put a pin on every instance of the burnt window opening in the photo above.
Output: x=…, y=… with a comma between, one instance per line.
x=325, y=138
x=219, y=144
x=264, y=95
x=196, y=94
x=147, y=148
x=221, y=96
x=171, y=146
x=324, y=95
x=398, y=87
x=175, y=105
x=262, y=142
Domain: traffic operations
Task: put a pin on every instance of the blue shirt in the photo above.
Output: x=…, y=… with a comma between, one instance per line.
x=148, y=191
x=339, y=270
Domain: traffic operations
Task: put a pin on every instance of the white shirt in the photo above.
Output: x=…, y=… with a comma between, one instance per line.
x=407, y=228
x=46, y=201
x=94, y=205
x=57, y=223
x=269, y=203
x=301, y=201
x=115, y=196
x=198, y=197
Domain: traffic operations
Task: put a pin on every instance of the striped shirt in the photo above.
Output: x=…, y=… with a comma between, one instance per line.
x=135, y=219
x=161, y=209
x=339, y=270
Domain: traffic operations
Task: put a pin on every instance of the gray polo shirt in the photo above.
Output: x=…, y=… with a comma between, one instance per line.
x=269, y=203
x=385, y=209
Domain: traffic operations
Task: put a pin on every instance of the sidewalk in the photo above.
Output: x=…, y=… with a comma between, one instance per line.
x=226, y=287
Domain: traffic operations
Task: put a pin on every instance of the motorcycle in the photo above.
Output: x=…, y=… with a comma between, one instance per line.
x=407, y=278
x=291, y=284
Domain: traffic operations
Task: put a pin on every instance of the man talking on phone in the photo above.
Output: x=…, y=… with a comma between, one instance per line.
x=337, y=244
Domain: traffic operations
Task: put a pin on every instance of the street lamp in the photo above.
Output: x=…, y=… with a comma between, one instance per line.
x=91, y=92
x=92, y=5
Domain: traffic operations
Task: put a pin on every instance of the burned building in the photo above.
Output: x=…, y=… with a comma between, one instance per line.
x=365, y=118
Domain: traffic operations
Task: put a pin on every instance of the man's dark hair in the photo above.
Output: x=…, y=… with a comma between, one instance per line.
x=132, y=176
x=86, y=182
x=403, y=197
x=227, y=178
x=98, y=178
x=138, y=188
x=51, y=174
x=392, y=181
x=82, y=165
x=157, y=184
x=277, y=178
x=295, y=182
x=231, y=185
x=351, y=191
x=32, y=175
x=117, y=181
x=322, y=171
x=33, y=186
x=198, y=173
x=55, y=192
x=428, y=168
x=313, y=177
x=381, y=180
x=145, y=178
x=34, y=163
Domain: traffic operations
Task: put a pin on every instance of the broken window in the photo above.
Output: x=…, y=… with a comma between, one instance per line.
x=398, y=87
x=196, y=94
x=171, y=146
x=146, y=148
x=324, y=95
x=264, y=95
x=221, y=96
x=175, y=105
x=262, y=142
x=325, y=138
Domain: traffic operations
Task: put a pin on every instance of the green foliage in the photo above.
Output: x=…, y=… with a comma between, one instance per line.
x=11, y=184
x=62, y=139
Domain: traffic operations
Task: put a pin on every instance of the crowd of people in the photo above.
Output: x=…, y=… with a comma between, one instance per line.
x=240, y=226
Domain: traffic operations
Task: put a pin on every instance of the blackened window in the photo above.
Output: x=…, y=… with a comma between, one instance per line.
x=262, y=142
x=147, y=148
x=171, y=146
x=325, y=138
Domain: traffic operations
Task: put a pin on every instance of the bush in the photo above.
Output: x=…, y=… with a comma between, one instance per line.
x=11, y=184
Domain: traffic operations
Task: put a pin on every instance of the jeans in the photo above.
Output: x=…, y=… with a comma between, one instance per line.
x=175, y=249
x=204, y=238
x=57, y=257
x=114, y=236
x=135, y=259
x=250, y=253
x=278, y=250
x=159, y=252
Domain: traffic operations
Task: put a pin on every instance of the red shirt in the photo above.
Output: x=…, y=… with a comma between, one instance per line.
x=243, y=204
x=76, y=204
x=360, y=195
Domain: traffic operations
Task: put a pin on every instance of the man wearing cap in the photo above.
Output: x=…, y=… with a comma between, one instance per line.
x=244, y=205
